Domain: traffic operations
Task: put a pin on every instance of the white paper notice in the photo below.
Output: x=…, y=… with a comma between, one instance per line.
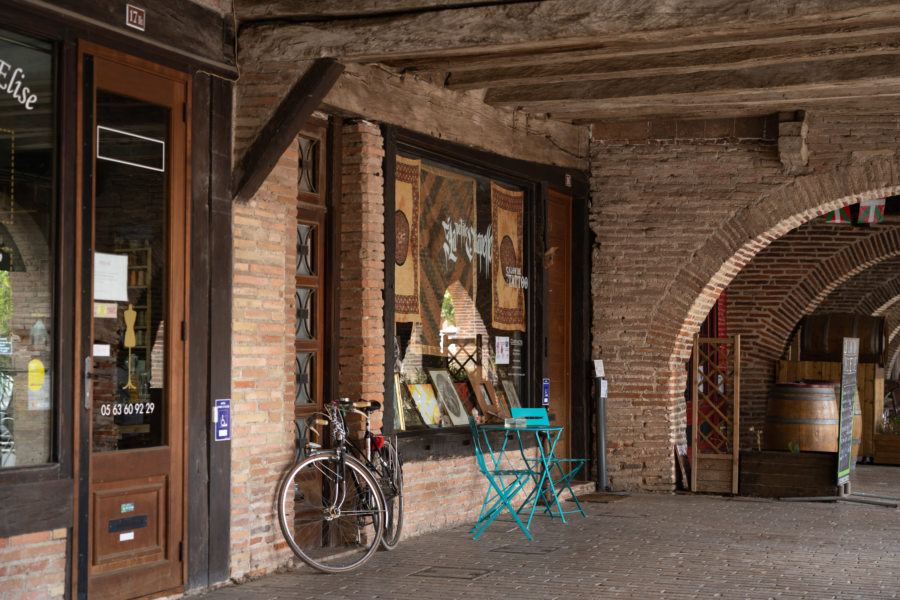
x=127, y=536
x=101, y=350
x=110, y=277
x=501, y=350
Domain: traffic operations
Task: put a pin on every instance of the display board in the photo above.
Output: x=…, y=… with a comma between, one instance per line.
x=849, y=365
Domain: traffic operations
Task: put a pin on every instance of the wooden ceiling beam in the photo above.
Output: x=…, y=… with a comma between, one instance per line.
x=378, y=94
x=550, y=24
x=636, y=49
x=321, y=10
x=675, y=62
x=844, y=74
x=719, y=105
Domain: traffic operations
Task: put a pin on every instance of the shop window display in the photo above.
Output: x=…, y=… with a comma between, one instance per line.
x=460, y=290
x=27, y=193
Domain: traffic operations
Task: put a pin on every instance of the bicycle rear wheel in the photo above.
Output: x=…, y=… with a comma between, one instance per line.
x=391, y=480
x=331, y=512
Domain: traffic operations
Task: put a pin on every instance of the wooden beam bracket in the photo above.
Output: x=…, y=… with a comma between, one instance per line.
x=273, y=139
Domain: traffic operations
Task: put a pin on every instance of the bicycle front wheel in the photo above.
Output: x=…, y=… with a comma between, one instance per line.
x=331, y=512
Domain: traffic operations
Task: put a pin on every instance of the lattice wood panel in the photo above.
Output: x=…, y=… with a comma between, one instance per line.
x=716, y=413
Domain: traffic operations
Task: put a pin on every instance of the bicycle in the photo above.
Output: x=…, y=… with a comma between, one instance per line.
x=335, y=506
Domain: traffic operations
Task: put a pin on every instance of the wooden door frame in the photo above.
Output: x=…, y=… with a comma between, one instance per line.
x=179, y=239
x=582, y=412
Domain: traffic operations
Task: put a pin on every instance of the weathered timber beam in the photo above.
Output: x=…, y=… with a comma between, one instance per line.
x=877, y=97
x=549, y=23
x=637, y=49
x=290, y=116
x=252, y=10
x=673, y=61
x=409, y=102
x=792, y=77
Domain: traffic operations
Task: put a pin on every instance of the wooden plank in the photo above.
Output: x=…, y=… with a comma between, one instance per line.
x=604, y=63
x=321, y=10
x=549, y=24
x=464, y=119
x=290, y=116
x=37, y=506
x=793, y=78
x=740, y=103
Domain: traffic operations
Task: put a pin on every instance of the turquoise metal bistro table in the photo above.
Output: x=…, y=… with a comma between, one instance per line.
x=506, y=481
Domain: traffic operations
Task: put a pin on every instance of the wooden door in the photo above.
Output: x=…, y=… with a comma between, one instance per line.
x=134, y=268
x=559, y=314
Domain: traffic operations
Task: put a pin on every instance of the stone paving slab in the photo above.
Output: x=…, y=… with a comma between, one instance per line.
x=666, y=546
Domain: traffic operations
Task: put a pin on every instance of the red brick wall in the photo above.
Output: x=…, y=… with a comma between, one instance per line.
x=264, y=234
x=33, y=566
x=679, y=208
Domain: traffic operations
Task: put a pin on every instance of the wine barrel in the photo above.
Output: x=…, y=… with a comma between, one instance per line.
x=822, y=337
x=802, y=416
x=856, y=439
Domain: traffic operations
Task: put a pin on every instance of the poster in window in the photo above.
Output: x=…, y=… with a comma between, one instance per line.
x=447, y=226
x=508, y=276
x=406, y=240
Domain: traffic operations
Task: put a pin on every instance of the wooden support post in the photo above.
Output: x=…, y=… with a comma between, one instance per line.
x=289, y=118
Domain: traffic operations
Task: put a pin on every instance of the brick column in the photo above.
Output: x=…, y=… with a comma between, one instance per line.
x=361, y=360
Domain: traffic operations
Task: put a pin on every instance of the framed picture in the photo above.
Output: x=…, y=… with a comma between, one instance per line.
x=511, y=396
x=448, y=397
x=411, y=417
x=488, y=402
x=426, y=403
x=399, y=417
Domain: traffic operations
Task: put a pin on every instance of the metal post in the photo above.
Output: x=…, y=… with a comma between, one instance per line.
x=602, y=484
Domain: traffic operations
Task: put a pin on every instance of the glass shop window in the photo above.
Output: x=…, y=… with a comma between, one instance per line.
x=27, y=233
x=459, y=294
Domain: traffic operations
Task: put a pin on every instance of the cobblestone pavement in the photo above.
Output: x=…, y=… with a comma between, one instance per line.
x=672, y=546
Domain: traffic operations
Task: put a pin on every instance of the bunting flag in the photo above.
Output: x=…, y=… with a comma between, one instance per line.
x=871, y=211
x=839, y=216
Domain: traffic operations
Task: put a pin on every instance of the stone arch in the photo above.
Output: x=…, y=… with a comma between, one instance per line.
x=694, y=287
x=880, y=300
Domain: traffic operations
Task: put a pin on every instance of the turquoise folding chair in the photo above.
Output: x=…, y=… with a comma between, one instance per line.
x=504, y=485
x=559, y=476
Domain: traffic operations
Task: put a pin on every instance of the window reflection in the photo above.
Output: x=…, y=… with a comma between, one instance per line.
x=27, y=202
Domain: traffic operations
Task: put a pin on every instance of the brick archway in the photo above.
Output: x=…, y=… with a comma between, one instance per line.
x=647, y=360
x=769, y=324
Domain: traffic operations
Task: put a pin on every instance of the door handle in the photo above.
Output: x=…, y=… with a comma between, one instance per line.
x=88, y=375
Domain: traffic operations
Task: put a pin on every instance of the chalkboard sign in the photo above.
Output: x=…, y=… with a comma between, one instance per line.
x=848, y=392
